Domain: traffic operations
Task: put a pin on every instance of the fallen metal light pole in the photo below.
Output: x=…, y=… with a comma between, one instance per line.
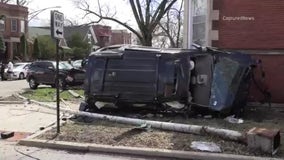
x=268, y=142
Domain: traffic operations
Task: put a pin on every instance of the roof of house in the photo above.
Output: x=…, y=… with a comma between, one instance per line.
x=119, y=31
x=102, y=31
x=38, y=31
x=70, y=30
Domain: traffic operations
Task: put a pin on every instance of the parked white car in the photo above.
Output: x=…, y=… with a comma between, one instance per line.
x=19, y=71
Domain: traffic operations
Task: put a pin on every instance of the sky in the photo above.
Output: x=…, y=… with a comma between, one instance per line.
x=71, y=11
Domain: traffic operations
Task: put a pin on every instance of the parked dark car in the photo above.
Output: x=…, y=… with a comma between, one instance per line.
x=177, y=79
x=44, y=72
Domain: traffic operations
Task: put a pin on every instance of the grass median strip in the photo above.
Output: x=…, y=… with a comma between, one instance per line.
x=49, y=94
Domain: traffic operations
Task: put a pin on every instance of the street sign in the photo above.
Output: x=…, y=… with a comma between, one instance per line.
x=57, y=23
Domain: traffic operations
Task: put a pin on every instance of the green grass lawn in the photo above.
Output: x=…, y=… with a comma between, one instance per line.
x=49, y=94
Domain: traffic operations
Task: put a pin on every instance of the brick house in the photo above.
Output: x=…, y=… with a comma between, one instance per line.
x=103, y=34
x=257, y=28
x=15, y=25
x=120, y=37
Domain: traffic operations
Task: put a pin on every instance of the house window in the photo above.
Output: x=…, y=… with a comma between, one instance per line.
x=14, y=25
x=22, y=26
x=2, y=25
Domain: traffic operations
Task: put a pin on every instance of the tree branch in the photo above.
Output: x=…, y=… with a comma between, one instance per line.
x=147, y=12
x=140, y=11
x=163, y=9
x=134, y=10
x=101, y=17
x=179, y=24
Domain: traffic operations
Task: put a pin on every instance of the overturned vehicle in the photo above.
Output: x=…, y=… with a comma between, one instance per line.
x=168, y=79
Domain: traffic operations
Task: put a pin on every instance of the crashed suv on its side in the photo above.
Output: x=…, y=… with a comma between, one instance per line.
x=176, y=78
x=44, y=72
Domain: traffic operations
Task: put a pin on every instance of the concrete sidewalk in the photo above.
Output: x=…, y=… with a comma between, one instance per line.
x=25, y=118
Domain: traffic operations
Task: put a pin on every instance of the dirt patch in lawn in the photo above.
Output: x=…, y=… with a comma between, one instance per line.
x=88, y=130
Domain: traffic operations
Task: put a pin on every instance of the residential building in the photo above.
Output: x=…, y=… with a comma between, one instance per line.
x=255, y=27
x=16, y=22
x=103, y=34
x=120, y=37
x=85, y=31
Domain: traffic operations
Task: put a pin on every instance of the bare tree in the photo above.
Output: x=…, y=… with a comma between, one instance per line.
x=199, y=7
x=17, y=2
x=5, y=1
x=70, y=22
x=22, y=2
x=171, y=25
x=147, y=14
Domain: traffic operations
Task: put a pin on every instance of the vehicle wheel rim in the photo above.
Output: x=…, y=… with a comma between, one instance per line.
x=21, y=76
x=32, y=83
x=60, y=83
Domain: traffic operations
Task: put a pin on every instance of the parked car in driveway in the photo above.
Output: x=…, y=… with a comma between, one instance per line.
x=77, y=63
x=80, y=64
x=19, y=71
x=44, y=72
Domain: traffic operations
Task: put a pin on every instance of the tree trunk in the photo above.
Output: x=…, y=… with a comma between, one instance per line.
x=147, y=39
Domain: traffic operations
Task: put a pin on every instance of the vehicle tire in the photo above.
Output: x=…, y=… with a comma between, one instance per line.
x=33, y=84
x=21, y=76
x=62, y=83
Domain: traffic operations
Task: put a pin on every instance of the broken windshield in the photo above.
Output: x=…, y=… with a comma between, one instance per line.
x=222, y=91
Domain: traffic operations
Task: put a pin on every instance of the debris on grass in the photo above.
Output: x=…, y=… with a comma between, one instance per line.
x=205, y=146
x=232, y=119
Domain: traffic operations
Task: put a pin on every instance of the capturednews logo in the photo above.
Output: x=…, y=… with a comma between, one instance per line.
x=237, y=18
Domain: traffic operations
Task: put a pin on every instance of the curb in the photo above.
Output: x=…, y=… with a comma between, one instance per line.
x=11, y=102
x=54, y=144
x=162, y=153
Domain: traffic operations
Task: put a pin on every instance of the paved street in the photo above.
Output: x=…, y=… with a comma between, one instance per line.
x=28, y=119
x=10, y=87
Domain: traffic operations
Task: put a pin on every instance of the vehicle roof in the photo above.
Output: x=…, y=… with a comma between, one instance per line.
x=50, y=61
x=22, y=63
x=43, y=61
